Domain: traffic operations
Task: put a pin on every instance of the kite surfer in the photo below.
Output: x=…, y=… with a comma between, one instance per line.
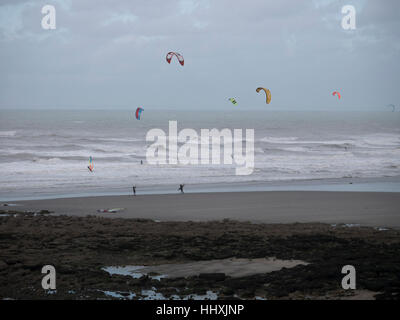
x=181, y=188
x=91, y=165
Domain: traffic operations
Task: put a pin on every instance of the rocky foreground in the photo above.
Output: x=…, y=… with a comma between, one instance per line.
x=79, y=247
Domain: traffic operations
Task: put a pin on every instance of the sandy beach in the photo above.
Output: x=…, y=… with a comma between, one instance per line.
x=250, y=245
x=376, y=209
x=122, y=258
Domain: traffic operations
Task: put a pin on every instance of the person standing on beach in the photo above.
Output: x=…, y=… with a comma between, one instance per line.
x=181, y=188
x=134, y=190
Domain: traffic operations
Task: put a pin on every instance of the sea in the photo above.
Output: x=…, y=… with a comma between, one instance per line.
x=45, y=153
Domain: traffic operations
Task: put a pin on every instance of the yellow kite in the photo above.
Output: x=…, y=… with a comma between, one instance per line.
x=267, y=92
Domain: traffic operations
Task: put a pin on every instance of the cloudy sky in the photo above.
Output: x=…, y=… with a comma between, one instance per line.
x=111, y=54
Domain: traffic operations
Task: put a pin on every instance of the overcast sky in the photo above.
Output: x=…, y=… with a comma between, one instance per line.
x=111, y=54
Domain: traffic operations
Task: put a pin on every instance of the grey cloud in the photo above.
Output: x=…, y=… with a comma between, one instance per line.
x=113, y=53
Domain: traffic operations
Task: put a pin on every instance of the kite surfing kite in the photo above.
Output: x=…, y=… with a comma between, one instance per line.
x=177, y=55
x=91, y=165
x=267, y=93
x=232, y=100
x=138, y=113
x=337, y=93
x=392, y=106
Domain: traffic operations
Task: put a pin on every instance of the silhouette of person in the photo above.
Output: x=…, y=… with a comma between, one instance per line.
x=181, y=188
x=134, y=190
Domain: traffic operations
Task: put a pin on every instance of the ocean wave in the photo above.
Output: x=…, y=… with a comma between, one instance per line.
x=122, y=139
x=50, y=154
x=49, y=147
x=279, y=139
x=47, y=160
x=382, y=140
x=344, y=145
x=7, y=134
x=379, y=141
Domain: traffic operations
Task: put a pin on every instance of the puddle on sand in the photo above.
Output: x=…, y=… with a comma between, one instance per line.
x=233, y=267
x=347, y=225
x=10, y=205
x=132, y=271
x=381, y=229
x=356, y=225
x=154, y=295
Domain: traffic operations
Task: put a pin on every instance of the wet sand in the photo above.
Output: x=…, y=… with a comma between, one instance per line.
x=365, y=208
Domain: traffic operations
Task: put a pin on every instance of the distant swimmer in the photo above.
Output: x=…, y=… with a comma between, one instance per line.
x=134, y=190
x=181, y=188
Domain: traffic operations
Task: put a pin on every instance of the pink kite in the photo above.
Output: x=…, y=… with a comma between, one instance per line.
x=337, y=93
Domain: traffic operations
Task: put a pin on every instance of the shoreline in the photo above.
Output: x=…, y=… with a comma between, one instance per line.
x=386, y=184
x=375, y=209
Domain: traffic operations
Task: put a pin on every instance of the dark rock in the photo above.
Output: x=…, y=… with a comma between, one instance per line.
x=44, y=212
x=3, y=265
